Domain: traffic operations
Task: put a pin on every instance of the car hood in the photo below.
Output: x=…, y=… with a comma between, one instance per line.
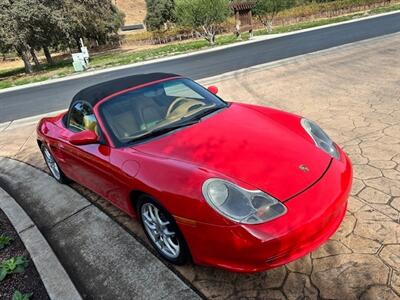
x=264, y=148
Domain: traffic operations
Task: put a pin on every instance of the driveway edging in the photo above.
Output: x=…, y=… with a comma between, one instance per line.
x=54, y=277
x=102, y=258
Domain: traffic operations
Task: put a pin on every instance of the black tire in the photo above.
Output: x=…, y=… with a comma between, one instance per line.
x=61, y=178
x=184, y=254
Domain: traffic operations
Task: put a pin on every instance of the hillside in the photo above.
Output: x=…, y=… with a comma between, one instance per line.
x=134, y=10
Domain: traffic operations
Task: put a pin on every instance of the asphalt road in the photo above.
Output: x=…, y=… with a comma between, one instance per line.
x=56, y=96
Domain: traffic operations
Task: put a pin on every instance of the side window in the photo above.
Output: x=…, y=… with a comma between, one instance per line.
x=81, y=117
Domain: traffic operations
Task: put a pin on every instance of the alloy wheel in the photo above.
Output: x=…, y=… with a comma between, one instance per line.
x=158, y=228
x=51, y=163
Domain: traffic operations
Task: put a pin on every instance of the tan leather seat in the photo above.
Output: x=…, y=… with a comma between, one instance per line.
x=90, y=123
x=127, y=118
x=123, y=124
x=148, y=111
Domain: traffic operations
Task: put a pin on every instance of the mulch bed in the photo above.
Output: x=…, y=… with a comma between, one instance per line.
x=26, y=282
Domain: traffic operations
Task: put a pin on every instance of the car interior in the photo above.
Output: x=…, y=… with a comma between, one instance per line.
x=90, y=123
x=137, y=112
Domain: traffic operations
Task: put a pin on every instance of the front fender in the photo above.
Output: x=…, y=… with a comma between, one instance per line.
x=177, y=186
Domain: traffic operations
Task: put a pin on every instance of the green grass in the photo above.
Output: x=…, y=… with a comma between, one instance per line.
x=15, y=77
x=112, y=59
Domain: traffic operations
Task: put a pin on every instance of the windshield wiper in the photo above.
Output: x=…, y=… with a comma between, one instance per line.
x=162, y=130
x=204, y=112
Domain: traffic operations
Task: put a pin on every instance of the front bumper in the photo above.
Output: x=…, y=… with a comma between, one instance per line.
x=312, y=218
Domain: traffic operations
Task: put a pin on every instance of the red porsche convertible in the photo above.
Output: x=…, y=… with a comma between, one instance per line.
x=236, y=186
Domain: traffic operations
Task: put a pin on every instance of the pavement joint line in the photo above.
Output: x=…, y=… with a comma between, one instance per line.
x=53, y=275
x=150, y=249
x=14, y=124
x=169, y=58
x=24, y=143
x=71, y=215
x=6, y=126
x=130, y=232
x=25, y=229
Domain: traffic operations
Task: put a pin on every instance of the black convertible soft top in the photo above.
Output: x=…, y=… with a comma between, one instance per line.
x=95, y=93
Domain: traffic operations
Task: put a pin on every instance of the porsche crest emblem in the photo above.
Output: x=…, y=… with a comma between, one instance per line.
x=304, y=168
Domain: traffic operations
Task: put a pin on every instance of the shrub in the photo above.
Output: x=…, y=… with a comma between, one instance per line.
x=21, y=296
x=203, y=16
x=12, y=266
x=266, y=10
x=159, y=14
x=4, y=241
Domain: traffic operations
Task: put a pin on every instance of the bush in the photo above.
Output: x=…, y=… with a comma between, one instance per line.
x=203, y=16
x=4, y=241
x=12, y=266
x=21, y=296
x=159, y=14
x=266, y=10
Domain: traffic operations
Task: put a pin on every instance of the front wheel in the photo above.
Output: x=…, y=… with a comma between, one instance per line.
x=52, y=165
x=162, y=231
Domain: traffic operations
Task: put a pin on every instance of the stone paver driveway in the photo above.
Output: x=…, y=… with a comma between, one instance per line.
x=354, y=93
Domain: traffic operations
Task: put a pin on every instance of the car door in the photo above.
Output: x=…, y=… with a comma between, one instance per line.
x=87, y=164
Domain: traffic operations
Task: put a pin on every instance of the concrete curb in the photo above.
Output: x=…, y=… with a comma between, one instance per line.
x=102, y=258
x=10, y=125
x=54, y=277
x=168, y=58
x=281, y=62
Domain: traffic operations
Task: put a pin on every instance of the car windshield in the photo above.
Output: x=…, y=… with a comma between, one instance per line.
x=157, y=109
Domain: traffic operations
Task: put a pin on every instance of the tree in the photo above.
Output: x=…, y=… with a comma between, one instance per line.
x=39, y=28
x=49, y=31
x=204, y=16
x=14, y=15
x=266, y=10
x=97, y=20
x=29, y=25
x=159, y=14
x=4, y=48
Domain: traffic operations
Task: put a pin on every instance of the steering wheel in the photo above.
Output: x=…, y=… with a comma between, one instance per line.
x=184, y=105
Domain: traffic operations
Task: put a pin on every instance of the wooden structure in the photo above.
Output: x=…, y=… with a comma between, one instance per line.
x=243, y=17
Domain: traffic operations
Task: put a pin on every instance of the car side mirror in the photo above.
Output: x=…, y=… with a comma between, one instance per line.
x=213, y=89
x=85, y=137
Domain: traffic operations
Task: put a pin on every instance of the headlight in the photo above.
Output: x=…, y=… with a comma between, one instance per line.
x=321, y=139
x=241, y=205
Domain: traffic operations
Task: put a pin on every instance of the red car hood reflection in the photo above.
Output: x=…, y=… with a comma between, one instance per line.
x=264, y=148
